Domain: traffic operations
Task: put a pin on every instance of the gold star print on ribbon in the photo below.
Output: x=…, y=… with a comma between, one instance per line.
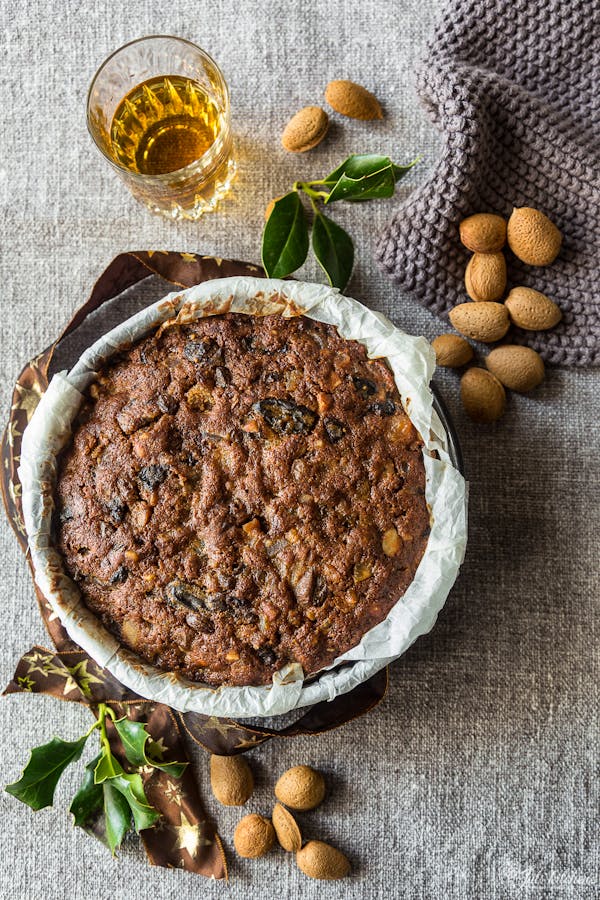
x=43, y=663
x=26, y=684
x=76, y=677
x=189, y=836
x=245, y=743
x=159, y=746
x=14, y=433
x=83, y=678
x=174, y=793
x=27, y=398
x=220, y=726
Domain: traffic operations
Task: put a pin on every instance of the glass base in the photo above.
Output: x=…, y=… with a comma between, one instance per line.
x=201, y=204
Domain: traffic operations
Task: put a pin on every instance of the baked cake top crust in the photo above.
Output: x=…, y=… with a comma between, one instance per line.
x=241, y=493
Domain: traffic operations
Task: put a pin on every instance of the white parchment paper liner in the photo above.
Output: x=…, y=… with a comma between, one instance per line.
x=412, y=361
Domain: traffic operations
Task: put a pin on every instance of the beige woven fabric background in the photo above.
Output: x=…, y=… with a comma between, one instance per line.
x=475, y=778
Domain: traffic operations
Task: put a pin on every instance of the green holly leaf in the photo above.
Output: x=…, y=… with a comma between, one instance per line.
x=109, y=800
x=42, y=773
x=132, y=789
x=133, y=737
x=117, y=815
x=140, y=750
x=107, y=767
x=89, y=799
x=334, y=250
x=285, y=237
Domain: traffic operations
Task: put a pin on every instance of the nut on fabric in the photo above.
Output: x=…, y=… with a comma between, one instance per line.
x=254, y=836
x=353, y=100
x=483, y=233
x=452, y=351
x=301, y=787
x=320, y=860
x=482, y=395
x=485, y=277
x=518, y=368
x=286, y=828
x=231, y=779
x=532, y=310
x=533, y=237
x=480, y=321
x=305, y=130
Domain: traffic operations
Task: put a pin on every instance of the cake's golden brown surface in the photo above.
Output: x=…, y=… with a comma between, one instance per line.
x=241, y=493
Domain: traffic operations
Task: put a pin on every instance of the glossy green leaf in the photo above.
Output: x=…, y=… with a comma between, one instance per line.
x=133, y=737
x=174, y=769
x=285, y=237
x=376, y=186
x=41, y=774
x=89, y=799
x=117, y=815
x=401, y=171
x=334, y=250
x=132, y=789
x=108, y=766
x=358, y=165
x=365, y=177
x=140, y=750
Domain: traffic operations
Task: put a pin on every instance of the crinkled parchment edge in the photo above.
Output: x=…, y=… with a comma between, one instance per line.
x=412, y=362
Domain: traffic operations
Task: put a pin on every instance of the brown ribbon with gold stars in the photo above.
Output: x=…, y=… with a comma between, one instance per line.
x=182, y=836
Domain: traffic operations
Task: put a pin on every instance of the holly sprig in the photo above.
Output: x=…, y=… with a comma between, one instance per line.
x=285, y=239
x=107, y=789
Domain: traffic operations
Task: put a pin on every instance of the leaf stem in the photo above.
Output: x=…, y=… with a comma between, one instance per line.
x=305, y=186
x=285, y=238
x=92, y=728
x=103, y=711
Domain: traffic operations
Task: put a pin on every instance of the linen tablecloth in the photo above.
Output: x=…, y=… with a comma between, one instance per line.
x=485, y=786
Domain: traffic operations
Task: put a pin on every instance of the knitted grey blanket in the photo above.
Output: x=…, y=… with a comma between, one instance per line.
x=514, y=85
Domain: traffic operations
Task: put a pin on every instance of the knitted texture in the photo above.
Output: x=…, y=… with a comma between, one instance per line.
x=513, y=86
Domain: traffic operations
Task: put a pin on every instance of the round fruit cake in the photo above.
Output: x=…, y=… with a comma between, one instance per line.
x=241, y=493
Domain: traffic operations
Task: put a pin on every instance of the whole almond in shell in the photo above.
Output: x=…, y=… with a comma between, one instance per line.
x=300, y=788
x=320, y=860
x=305, y=130
x=254, y=836
x=518, y=368
x=482, y=395
x=286, y=828
x=532, y=310
x=353, y=100
x=231, y=779
x=483, y=233
x=452, y=351
x=485, y=277
x=533, y=237
x=481, y=321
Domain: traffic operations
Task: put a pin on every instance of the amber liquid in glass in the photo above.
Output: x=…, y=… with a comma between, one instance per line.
x=163, y=125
